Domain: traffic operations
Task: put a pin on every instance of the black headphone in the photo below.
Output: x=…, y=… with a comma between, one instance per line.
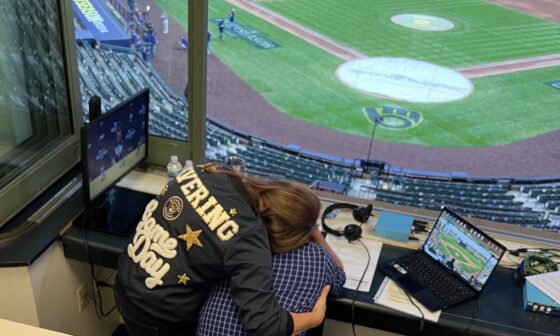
x=351, y=231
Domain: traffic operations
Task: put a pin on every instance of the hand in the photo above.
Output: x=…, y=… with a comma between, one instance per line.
x=304, y=321
x=321, y=306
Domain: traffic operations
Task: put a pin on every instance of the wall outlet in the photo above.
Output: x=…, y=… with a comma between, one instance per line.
x=81, y=295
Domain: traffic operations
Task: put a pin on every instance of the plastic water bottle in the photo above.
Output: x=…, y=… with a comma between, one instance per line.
x=188, y=164
x=173, y=167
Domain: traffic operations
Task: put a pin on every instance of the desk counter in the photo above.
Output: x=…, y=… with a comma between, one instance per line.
x=497, y=312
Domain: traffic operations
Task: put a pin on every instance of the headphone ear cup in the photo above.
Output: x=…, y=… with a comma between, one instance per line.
x=352, y=232
x=361, y=214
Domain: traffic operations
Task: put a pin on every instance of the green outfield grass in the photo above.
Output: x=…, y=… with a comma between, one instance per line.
x=483, y=32
x=464, y=264
x=299, y=79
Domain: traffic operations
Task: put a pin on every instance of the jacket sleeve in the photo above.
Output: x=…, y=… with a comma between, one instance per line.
x=248, y=262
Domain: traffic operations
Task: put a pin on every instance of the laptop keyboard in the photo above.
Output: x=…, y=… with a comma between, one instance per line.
x=431, y=276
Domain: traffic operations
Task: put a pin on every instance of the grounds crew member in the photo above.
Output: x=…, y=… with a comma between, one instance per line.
x=202, y=228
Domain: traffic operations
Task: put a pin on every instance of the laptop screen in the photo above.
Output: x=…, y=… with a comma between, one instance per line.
x=463, y=249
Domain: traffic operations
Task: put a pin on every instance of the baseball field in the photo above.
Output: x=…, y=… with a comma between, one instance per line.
x=465, y=260
x=501, y=99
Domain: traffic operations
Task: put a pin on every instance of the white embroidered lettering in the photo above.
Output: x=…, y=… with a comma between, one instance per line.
x=148, y=260
x=165, y=248
x=228, y=230
x=192, y=185
x=156, y=277
x=198, y=195
x=151, y=238
x=139, y=242
x=208, y=208
x=187, y=174
x=201, y=210
x=216, y=217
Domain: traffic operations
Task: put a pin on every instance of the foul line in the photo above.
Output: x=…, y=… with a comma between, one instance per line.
x=521, y=64
x=298, y=30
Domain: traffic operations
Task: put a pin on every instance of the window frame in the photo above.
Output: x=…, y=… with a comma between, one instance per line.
x=194, y=148
x=62, y=156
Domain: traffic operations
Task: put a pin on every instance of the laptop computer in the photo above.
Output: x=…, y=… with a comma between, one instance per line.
x=452, y=266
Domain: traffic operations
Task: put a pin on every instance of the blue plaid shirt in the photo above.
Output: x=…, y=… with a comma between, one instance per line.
x=299, y=276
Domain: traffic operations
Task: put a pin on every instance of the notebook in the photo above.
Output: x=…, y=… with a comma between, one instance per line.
x=452, y=266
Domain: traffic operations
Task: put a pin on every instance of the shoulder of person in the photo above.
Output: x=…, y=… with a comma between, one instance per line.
x=320, y=250
x=317, y=249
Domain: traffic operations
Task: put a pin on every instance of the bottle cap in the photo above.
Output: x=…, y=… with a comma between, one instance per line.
x=174, y=158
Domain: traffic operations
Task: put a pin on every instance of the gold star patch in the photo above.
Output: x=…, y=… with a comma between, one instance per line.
x=191, y=237
x=232, y=212
x=164, y=190
x=183, y=278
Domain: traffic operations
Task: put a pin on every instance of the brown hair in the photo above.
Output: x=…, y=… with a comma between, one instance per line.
x=288, y=209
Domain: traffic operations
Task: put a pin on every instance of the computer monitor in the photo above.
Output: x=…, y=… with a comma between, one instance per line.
x=113, y=144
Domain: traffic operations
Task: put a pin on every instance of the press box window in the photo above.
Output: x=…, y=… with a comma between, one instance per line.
x=35, y=115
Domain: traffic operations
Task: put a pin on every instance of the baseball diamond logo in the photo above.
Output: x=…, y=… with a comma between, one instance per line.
x=172, y=208
x=393, y=117
x=248, y=34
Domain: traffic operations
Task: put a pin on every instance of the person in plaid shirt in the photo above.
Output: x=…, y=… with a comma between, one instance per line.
x=299, y=274
x=210, y=224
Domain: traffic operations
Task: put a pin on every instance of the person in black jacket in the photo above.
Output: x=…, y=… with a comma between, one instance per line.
x=300, y=268
x=207, y=225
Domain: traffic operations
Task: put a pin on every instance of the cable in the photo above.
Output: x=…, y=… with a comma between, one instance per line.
x=471, y=323
x=529, y=249
x=536, y=261
x=420, y=310
x=95, y=284
x=514, y=263
x=358, y=287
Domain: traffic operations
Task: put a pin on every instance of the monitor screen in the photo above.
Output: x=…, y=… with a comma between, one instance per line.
x=114, y=143
x=463, y=249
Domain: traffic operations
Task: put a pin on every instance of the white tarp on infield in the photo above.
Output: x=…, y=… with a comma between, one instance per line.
x=405, y=79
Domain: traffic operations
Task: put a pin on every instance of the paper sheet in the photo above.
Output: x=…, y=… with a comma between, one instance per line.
x=354, y=259
x=392, y=296
x=548, y=283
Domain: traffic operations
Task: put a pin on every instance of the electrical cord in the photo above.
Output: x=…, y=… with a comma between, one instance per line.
x=539, y=263
x=422, y=319
x=536, y=261
x=529, y=249
x=514, y=263
x=471, y=323
x=358, y=287
x=96, y=285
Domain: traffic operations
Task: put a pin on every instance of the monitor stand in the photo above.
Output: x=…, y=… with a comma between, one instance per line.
x=98, y=213
x=117, y=211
